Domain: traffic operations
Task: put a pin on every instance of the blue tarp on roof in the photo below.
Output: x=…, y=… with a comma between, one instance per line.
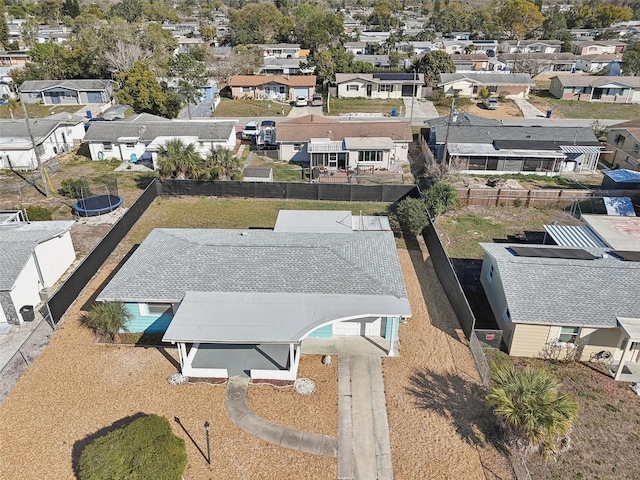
x=623, y=175
x=619, y=206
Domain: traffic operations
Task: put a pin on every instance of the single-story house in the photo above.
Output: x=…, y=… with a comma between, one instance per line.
x=531, y=46
x=260, y=302
x=623, y=145
x=379, y=85
x=540, y=63
x=469, y=84
x=284, y=66
x=53, y=135
x=471, y=144
x=272, y=87
x=455, y=46
x=329, y=144
x=467, y=62
x=67, y=92
x=598, y=47
x=594, y=88
x=34, y=257
x=139, y=138
x=281, y=50
x=357, y=48
x=378, y=61
x=418, y=48
x=606, y=62
x=13, y=58
x=573, y=298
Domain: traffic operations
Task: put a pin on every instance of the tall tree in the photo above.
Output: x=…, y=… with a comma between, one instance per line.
x=315, y=28
x=191, y=76
x=631, y=60
x=130, y=10
x=254, y=23
x=520, y=17
x=71, y=8
x=177, y=160
x=29, y=32
x=221, y=164
x=4, y=27
x=142, y=92
x=122, y=57
x=432, y=64
x=530, y=407
x=453, y=18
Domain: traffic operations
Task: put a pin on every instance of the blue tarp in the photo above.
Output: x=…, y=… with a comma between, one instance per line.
x=623, y=175
x=619, y=206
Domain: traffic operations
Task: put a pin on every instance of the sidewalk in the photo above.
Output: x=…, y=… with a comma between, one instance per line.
x=528, y=110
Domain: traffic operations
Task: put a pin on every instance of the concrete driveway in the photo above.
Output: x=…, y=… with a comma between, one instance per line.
x=303, y=111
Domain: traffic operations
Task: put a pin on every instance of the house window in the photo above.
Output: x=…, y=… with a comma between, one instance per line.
x=107, y=146
x=297, y=147
x=370, y=156
x=245, y=89
x=160, y=308
x=490, y=274
x=636, y=148
x=385, y=88
x=568, y=334
x=352, y=87
x=130, y=145
x=506, y=315
x=281, y=89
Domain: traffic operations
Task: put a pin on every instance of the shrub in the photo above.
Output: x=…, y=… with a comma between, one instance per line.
x=35, y=213
x=144, y=449
x=74, y=188
x=108, y=318
x=440, y=198
x=412, y=215
x=484, y=92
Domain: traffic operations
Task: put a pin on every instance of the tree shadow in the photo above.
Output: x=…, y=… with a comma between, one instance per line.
x=80, y=445
x=468, y=272
x=459, y=401
x=143, y=180
x=431, y=288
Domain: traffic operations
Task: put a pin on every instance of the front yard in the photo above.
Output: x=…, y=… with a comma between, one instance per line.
x=577, y=109
x=506, y=109
x=250, y=108
x=39, y=111
x=344, y=106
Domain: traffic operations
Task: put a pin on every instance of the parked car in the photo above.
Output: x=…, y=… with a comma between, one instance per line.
x=250, y=131
x=267, y=124
x=490, y=103
x=316, y=100
x=301, y=101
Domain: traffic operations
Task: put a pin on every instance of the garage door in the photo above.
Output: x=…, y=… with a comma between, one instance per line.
x=302, y=92
x=407, y=90
x=94, y=97
x=368, y=327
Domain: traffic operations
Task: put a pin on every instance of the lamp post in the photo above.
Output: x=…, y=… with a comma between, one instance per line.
x=206, y=429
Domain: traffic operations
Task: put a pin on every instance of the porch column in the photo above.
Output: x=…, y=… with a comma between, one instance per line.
x=392, y=337
x=182, y=349
x=627, y=348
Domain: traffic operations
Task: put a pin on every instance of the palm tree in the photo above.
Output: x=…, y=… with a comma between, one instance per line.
x=108, y=318
x=531, y=409
x=221, y=163
x=177, y=160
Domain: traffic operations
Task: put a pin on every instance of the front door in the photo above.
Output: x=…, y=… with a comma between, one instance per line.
x=369, y=90
x=597, y=93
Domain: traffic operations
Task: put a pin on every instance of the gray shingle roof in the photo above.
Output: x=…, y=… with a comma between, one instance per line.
x=148, y=130
x=171, y=262
x=39, y=85
x=17, y=243
x=41, y=128
x=554, y=291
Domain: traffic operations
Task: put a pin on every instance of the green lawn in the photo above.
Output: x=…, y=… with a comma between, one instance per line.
x=286, y=172
x=38, y=111
x=201, y=212
x=577, y=109
x=250, y=108
x=363, y=105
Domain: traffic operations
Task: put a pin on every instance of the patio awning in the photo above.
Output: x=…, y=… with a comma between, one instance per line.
x=630, y=326
x=574, y=236
x=223, y=317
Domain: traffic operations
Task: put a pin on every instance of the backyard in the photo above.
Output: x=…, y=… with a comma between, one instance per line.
x=39, y=111
x=344, y=106
x=439, y=425
x=250, y=108
x=544, y=101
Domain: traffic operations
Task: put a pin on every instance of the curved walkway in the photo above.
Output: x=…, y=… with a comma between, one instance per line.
x=240, y=414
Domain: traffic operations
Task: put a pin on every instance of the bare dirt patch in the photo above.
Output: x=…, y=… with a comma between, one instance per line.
x=507, y=109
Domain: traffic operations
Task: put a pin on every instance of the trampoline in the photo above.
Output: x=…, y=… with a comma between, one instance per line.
x=97, y=205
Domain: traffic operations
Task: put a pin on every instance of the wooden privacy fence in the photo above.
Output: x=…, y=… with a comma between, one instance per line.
x=497, y=197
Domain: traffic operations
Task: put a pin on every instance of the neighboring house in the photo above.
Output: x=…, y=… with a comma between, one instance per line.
x=455, y=46
x=240, y=318
x=66, y=92
x=378, y=61
x=471, y=144
x=48, y=34
x=598, y=47
x=379, y=85
x=281, y=50
x=489, y=47
x=607, y=62
x=284, y=66
x=470, y=62
x=53, y=135
x=584, y=34
x=590, y=88
x=34, y=257
x=569, y=298
x=357, y=48
x=531, y=46
x=272, y=87
x=13, y=58
x=623, y=141
x=418, y=48
x=469, y=84
x=329, y=144
x=540, y=63
x=139, y=138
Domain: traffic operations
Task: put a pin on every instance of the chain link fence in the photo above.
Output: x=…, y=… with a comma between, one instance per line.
x=17, y=182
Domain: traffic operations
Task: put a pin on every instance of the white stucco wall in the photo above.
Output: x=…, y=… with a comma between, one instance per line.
x=287, y=153
x=55, y=256
x=344, y=92
x=26, y=290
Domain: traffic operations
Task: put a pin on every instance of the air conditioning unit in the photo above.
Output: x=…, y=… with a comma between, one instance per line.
x=46, y=293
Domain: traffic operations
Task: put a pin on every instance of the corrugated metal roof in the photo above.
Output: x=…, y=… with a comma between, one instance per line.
x=574, y=236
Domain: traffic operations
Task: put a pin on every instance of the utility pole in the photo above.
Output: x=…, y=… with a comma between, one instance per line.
x=446, y=137
x=35, y=150
x=413, y=96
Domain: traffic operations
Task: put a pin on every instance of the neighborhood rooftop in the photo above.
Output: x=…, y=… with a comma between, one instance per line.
x=146, y=131
x=36, y=85
x=556, y=291
x=171, y=262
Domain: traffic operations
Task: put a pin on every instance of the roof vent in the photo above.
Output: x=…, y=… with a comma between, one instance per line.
x=244, y=234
